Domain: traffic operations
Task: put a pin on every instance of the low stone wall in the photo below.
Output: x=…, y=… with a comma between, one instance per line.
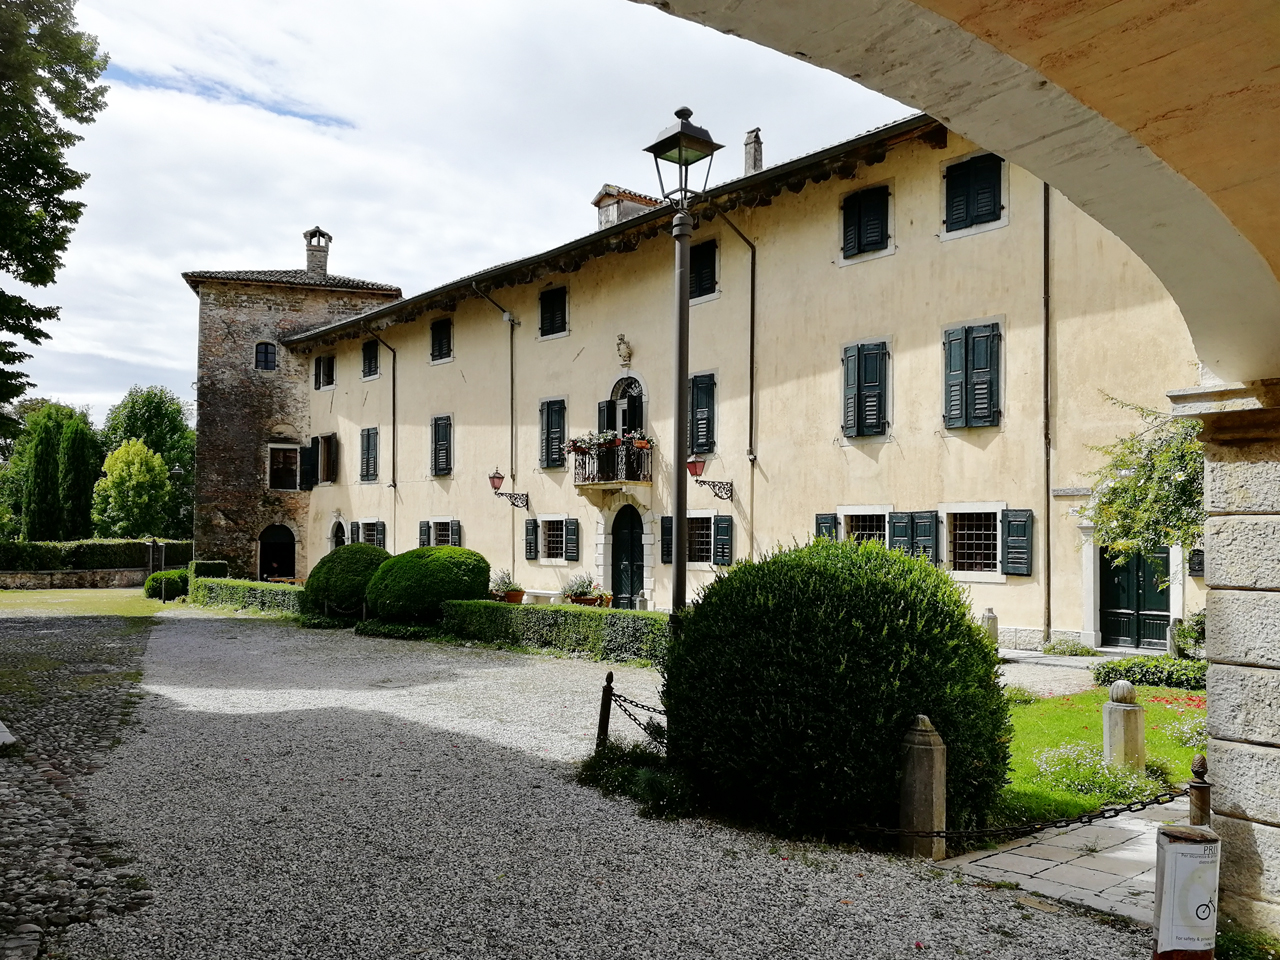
x=1032, y=638
x=74, y=579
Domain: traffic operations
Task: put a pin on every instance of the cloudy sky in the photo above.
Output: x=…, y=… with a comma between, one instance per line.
x=430, y=138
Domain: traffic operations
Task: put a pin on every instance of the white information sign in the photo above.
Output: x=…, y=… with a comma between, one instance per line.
x=1189, y=912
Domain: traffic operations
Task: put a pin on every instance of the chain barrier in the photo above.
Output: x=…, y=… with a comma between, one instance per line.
x=1024, y=829
x=622, y=702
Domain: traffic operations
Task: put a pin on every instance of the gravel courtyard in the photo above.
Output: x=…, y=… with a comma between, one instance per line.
x=304, y=794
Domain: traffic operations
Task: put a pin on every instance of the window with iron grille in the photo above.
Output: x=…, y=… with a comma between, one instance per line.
x=553, y=539
x=265, y=356
x=864, y=526
x=369, y=359
x=283, y=474
x=700, y=539
x=440, y=534
x=442, y=339
x=369, y=533
x=974, y=541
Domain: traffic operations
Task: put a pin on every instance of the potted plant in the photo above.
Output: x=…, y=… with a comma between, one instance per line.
x=582, y=590
x=640, y=440
x=502, y=585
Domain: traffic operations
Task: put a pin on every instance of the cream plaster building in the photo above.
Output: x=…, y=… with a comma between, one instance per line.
x=901, y=336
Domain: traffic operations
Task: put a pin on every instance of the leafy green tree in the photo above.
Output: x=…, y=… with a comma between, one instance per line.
x=129, y=501
x=48, y=75
x=79, y=464
x=1150, y=493
x=17, y=468
x=157, y=417
x=41, y=509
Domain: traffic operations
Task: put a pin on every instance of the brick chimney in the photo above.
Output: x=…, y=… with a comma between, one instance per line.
x=753, y=159
x=317, y=251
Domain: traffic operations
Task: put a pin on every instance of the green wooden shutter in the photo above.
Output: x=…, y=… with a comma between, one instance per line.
x=364, y=454
x=851, y=226
x=958, y=179
x=953, y=377
x=722, y=540
x=702, y=411
x=668, y=539
x=424, y=533
x=455, y=533
x=1015, y=526
x=380, y=535
x=318, y=360
x=924, y=534
x=635, y=413
x=571, y=540
x=542, y=433
x=824, y=525
x=554, y=310
x=984, y=186
x=873, y=219
x=900, y=532
x=983, y=375
x=369, y=366
x=604, y=411
x=531, y=539
x=308, y=464
x=442, y=339
x=355, y=532
x=441, y=446
x=332, y=457
x=850, y=411
x=873, y=368
x=702, y=269
x=554, y=455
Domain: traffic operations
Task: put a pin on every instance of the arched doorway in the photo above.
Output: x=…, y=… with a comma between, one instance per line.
x=339, y=534
x=628, y=557
x=275, y=552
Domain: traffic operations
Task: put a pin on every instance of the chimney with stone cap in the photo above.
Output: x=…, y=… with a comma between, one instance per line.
x=317, y=252
x=753, y=160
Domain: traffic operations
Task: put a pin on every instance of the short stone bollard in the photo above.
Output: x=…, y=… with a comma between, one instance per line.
x=924, y=790
x=1186, y=907
x=1123, y=733
x=991, y=625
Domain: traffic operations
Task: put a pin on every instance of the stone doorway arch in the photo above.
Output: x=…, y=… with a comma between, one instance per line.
x=277, y=553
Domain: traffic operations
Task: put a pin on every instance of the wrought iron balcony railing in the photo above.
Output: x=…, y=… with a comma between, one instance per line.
x=625, y=463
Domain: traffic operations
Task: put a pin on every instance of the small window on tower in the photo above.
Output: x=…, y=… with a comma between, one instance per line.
x=265, y=356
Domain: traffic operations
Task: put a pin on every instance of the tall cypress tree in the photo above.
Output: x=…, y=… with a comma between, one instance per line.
x=79, y=464
x=41, y=509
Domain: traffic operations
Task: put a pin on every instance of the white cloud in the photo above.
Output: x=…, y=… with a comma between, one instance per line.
x=431, y=139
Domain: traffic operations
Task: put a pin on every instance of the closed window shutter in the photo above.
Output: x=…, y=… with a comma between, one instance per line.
x=1015, y=525
x=722, y=542
x=441, y=339
x=668, y=539
x=370, y=365
x=702, y=411
x=330, y=364
x=318, y=365
x=702, y=269
x=380, y=535
x=851, y=226
x=953, y=377
x=364, y=454
x=635, y=413
x=531, y=539
x=959, y=215
x=455, y=533
x=606, y=417
x=872, y=369
x=441, y=446
x=824, y=525
x=873, y=219
x=309, y=464
x=924, y=534
x=983, y=393
x=552, y=415
x=553, y=310
x=849, y=416
x=543, y=418
x=332, y=457
x=355, y=532
x=373, y=453
x=424, y=533
x=571, y=540
x=900, y=532
x=984, y=188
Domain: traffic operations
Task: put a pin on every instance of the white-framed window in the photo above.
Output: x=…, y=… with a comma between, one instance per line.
x=325, y=373
x=282, y=466
x=864, y=521
x=369, y=530
x=866, y=224
x=974, y=195
x=971, y=540
x=551, y=538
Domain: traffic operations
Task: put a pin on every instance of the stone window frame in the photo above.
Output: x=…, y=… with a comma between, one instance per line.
x=845, y=511
x=543, y=520
x=892, y=247
x=943, y=540
x=297, y=467
x=1005, y=199
x=707, y=566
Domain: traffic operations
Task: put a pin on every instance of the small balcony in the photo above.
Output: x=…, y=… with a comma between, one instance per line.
x=607, y=465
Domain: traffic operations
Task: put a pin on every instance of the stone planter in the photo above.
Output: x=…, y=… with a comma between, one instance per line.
x=514, y=596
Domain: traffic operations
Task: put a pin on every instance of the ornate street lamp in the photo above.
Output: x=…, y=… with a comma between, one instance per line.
x=720, y=489
x=517, y=499
x=684, y=144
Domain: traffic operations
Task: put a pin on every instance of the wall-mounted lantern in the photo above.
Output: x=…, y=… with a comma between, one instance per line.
x=720, y=489
x=520, y=500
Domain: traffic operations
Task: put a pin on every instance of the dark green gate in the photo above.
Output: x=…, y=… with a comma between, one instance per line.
x=1135, y=611
x=628, y=557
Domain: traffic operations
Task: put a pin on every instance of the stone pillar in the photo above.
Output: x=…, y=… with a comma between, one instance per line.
x=1242, y=570
x=991, y=625
x=1124, y=737
x=924, y=790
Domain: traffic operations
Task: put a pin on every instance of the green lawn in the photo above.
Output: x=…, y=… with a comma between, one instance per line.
x=124, y=602
x=1077, y=717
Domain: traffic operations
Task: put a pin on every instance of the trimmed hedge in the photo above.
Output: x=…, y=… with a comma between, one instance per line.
x=166, y=585
x=337, y=585
x=247, y=594
x=791, y=682
x=410, y=587
x=604, y=634
x=87, y=554
x=209, y=569
x=1153, y=672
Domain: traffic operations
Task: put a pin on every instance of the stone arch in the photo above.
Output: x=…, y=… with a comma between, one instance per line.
x=604, y=542
x=277, y=552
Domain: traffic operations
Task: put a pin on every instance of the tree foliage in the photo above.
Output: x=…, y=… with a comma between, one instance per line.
x=16, y=473
x=1150, y=493
x=41, y=509
x=129, y=501
x=79, y=463
x=159, y=418
x=48, y=75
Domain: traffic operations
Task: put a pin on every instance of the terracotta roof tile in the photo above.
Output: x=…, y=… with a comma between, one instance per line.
x=291, y=278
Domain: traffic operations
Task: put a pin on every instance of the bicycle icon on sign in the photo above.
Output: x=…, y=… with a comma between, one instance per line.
x=1204, y=911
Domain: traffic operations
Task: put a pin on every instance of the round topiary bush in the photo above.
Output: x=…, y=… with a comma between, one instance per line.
x=338, y=583
x=409, y=588
x=165, y=585
x=791, y=682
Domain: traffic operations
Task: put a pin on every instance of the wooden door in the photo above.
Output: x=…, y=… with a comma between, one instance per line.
x=1135, y=610
x=628, y=558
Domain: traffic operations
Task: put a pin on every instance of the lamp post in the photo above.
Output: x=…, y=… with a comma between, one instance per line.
x=683, y=144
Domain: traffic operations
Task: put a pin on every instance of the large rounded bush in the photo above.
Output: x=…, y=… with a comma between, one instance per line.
x=409, y=588
x=338, y=583
x=791, y=682
x=165, y=585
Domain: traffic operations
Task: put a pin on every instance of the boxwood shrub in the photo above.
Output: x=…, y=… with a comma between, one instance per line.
x=87, y=554
x=791, y=682
x=166, y=585
x=337, y=585
x=247, y=594
x=602, y=633
x=1158, y=671
x=208, y=568
x=410, y=587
